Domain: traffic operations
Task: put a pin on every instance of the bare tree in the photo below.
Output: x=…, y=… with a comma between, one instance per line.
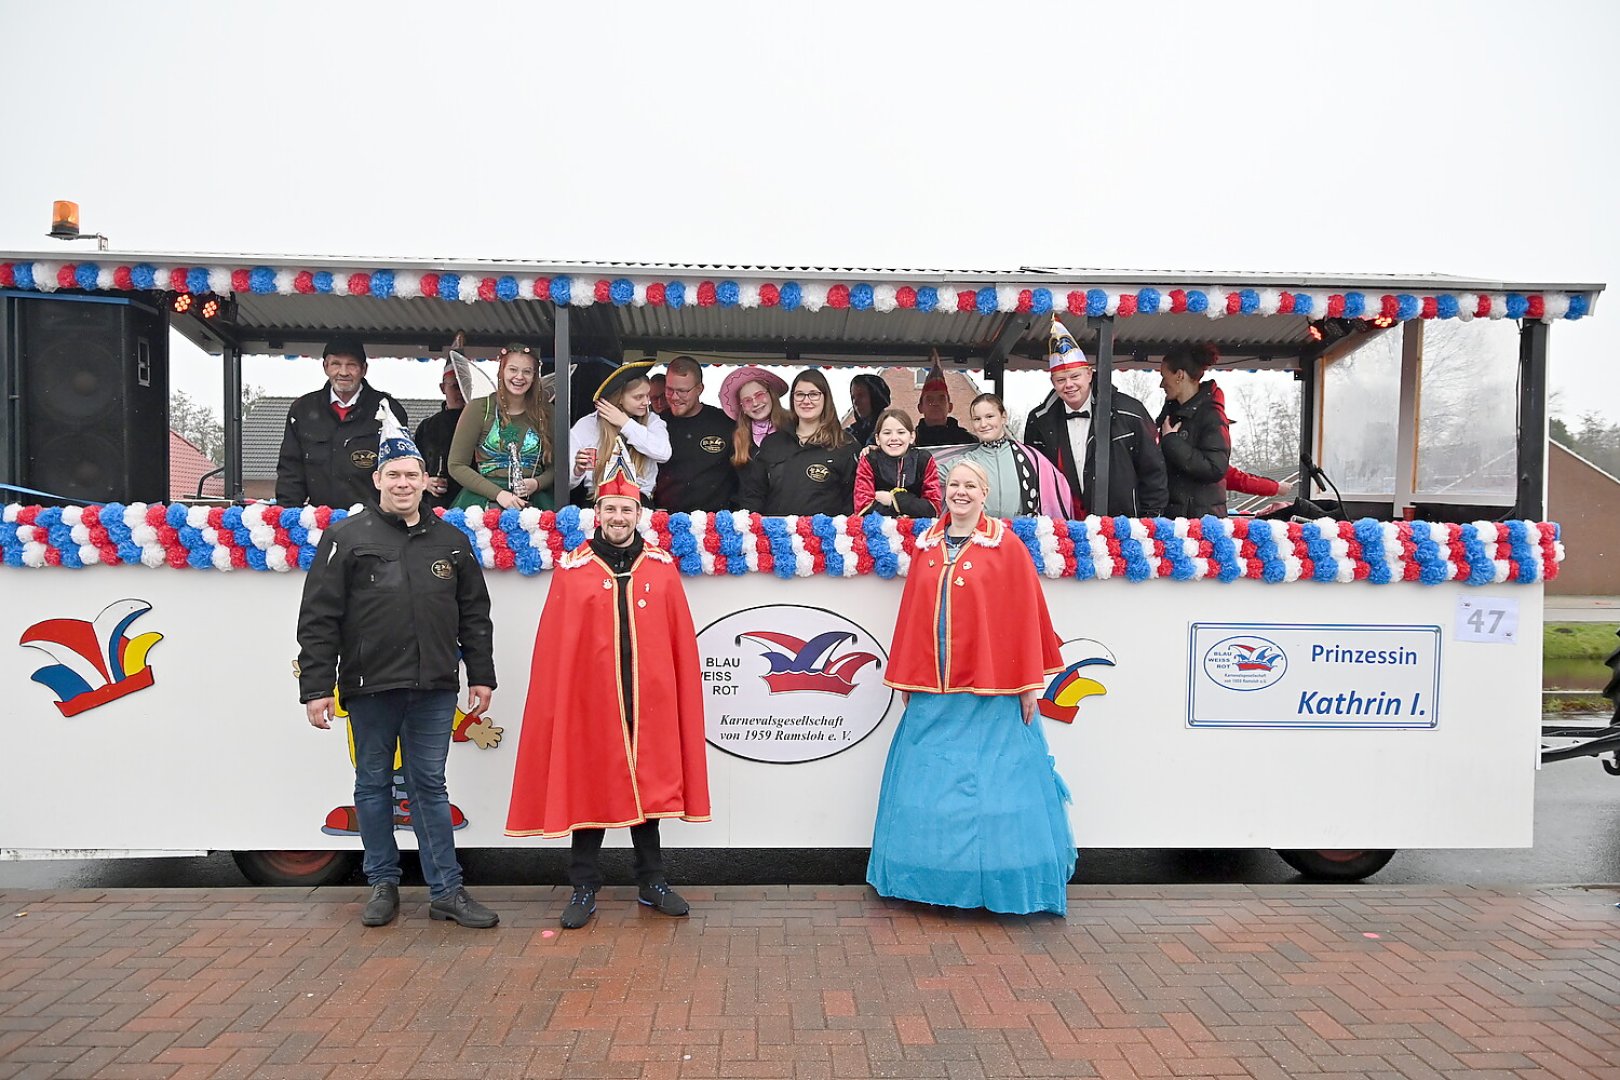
x=201, y=426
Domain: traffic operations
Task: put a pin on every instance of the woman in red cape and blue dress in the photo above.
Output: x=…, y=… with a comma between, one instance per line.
x=972, y=812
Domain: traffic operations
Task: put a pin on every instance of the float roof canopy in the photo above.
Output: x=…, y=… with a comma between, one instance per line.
x=869, y=315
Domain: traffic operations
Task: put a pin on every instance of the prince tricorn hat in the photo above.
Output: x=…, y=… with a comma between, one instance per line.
x=618, y=478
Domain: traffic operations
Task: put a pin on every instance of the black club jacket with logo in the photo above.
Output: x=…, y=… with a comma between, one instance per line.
x=393, y=607
x=698, y=474
x=326, y=461
x=790, y=477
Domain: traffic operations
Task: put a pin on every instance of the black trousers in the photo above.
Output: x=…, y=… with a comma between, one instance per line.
x=584, y=871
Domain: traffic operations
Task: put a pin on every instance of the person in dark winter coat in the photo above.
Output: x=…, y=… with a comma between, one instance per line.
x=894, y=478
x=394, y=604
x=433, y=437
x=1061, y=429
x=807, y=469
x=1193, y=435
x=329, y=449
x=868, y=397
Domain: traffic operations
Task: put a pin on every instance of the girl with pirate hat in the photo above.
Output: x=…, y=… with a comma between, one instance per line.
x=623, y=410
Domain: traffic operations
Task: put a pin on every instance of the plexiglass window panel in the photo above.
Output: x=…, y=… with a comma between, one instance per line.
x=1360, y=399
x=1467, y=403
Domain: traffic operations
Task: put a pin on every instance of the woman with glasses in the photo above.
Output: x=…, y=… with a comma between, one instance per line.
x=809, y=468
x=501, y=450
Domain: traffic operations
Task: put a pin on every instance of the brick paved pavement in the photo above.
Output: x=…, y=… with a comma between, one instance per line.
x=816, y=982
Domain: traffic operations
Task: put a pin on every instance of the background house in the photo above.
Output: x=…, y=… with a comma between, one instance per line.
x=1585, y=500
x=905, y=388
x=187, y=466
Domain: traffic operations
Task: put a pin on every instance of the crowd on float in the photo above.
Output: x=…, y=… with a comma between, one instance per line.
x=780, y=448
x=971, y=812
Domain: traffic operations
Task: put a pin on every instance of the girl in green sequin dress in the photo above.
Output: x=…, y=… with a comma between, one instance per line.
x=510, y=427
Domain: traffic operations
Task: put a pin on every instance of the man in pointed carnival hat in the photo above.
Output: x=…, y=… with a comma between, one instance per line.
x=613, y=731
x=937, y=426
x=393, y=605
x=1061, y=428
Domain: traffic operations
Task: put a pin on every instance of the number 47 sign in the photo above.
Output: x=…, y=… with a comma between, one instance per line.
x=1491, y=619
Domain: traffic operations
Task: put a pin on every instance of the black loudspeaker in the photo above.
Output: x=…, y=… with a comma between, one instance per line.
x=88, y=398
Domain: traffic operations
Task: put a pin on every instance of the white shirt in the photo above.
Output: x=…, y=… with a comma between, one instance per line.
x=650, y=436
x=352, y=398
x=1079, y=432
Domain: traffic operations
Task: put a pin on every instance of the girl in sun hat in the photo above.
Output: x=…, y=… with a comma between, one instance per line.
x=623, y=408
x=752, y=396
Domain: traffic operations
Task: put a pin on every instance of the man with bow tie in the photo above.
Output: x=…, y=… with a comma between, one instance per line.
x=1062, y=429
x=329, y=449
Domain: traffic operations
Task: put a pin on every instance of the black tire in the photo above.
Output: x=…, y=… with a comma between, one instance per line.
x=297, y=868
x=1337, y=865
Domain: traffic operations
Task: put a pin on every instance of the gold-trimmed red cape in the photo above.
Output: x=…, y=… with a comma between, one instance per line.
x=998, y=633
x=579, y=765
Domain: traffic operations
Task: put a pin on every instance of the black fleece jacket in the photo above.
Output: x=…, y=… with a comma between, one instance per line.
x=1197, y=455
x=393, y=607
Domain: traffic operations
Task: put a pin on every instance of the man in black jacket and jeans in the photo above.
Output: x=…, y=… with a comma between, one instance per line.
x=329, y=449
x=393, y=604
x=1061, y=428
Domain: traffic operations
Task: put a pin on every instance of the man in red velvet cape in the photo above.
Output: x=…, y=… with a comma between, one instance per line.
x=613, y=726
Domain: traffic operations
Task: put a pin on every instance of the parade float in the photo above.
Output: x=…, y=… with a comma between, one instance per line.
x=1332, y=683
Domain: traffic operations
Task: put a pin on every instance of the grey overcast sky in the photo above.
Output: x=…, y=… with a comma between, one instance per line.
x=1472, y=138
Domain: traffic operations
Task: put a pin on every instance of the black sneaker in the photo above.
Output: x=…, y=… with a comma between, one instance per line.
x=461, y=908
x=666, y=900
x=383, y=905
x=581, y=906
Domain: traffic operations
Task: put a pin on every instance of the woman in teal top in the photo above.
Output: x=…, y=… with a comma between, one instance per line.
x=509, y=428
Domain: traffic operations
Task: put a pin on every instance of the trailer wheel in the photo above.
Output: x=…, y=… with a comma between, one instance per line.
x=299, y=868
x=1337, y=865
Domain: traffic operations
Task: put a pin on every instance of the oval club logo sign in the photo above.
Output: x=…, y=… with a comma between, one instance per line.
x=1245, y=663
x=787, y=683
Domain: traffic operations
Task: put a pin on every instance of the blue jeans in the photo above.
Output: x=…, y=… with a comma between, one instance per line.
x=418, y=722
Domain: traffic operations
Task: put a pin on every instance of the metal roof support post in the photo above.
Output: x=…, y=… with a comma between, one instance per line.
x=1102, y=412
x=11, y=397
x=561, y=454
x=1532, y=433
x=1407, y=415
x=1309, y=376
x=232, y=355
x=995, y=363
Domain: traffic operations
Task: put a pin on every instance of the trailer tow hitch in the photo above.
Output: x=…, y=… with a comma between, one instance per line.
x=1606, y=743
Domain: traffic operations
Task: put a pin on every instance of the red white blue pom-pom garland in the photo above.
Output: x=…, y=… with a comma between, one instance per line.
x=261, y=536
x=790, y=295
